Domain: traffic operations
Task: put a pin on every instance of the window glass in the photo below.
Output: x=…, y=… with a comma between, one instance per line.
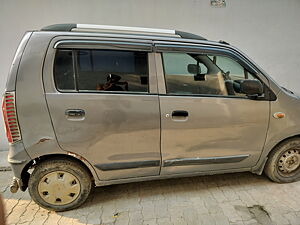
x=236, y=71
x=175, y=63
x=199, y=74
x=111, y=70
x=63, y=70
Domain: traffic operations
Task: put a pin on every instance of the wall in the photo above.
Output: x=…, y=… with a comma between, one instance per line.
x=268, y=31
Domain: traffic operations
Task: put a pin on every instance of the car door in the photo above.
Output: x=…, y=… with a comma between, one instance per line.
x=207, y=123
x=103, y=102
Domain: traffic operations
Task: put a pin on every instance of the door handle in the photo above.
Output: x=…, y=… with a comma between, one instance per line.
x=180, y=113
x=75, y=114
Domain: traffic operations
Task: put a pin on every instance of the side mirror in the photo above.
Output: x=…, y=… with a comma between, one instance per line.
x=251, y=88
x=194, y=69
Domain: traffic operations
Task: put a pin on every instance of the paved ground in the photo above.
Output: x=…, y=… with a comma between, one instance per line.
x=239, y=199
x=3, y=160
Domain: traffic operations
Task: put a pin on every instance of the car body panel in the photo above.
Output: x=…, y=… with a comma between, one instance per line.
x=215, y=127
x=42, y=121
x=281, y=128
x=119, y=130
x=33, y=115
x=123, y=128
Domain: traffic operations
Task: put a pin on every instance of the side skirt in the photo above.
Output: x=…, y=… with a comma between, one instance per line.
x=204, y=161
x=159, y=177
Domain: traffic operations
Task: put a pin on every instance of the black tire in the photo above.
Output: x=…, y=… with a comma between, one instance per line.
x=72, y=168
x=274, y=169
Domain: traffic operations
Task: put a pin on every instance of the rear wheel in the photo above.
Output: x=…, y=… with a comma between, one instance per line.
x=59, y=184
x=283, y=165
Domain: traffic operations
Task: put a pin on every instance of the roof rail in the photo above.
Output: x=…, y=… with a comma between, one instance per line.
x=60, y=27
x=189, y=35
x=123, y=28
x=99, y=28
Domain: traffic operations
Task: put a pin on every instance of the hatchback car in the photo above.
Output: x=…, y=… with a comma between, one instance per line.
x=90, y=105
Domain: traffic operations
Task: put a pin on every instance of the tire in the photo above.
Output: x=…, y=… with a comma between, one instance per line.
x=283, y=163
x=59, y=184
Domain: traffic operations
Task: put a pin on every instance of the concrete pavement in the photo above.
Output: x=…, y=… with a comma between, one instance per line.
x=230, y=199
x=3, y=161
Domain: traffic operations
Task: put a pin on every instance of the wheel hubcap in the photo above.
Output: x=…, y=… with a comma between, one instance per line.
x=289, y=161
x=59, y=188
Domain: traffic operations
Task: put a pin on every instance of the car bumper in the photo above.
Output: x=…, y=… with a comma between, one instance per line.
x=18, y=159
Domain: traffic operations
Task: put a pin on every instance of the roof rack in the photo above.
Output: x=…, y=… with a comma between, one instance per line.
x=224, y=42
x=120, y=29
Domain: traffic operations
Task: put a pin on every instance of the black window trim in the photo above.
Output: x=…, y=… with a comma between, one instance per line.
x=103, y=44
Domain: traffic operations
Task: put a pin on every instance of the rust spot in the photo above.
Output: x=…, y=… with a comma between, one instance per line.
x=43, y=140
x=76, y=156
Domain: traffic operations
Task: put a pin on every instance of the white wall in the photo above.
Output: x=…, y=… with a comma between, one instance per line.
x=268, y=31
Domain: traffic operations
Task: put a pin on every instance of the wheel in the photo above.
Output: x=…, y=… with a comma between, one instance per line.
x=59, y=184
x=283, y=165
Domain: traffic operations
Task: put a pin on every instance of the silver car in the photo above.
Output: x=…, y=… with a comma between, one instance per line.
x=90, y=105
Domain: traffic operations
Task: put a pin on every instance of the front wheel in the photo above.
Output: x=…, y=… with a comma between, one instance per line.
x=59, y=184
x=283, y=165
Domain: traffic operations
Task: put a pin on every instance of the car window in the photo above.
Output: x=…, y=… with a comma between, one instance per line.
x=200, y=74
x=234, y=69
x=111, y=70
x=63, y=70
x=179, y=67
x=101, y=70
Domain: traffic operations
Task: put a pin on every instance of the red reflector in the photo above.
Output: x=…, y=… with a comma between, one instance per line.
x=10, y=119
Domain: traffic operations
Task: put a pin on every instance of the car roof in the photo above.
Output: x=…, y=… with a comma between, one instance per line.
x=155, y=34
x=120, y=29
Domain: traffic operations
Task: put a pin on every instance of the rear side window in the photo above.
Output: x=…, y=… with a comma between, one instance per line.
x=105, y=70
x=63, y=70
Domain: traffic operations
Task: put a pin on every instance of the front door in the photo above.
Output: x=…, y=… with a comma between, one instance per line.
x=207, y=123
x=105, y=108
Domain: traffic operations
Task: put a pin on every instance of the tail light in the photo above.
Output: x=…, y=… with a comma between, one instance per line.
x=10, y=117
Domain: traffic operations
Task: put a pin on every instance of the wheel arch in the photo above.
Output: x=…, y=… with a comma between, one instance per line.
x=69, y=156
x=283, y=140
x=260, y=166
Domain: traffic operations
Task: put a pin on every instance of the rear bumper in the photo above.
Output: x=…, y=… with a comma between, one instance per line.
x=18, y=159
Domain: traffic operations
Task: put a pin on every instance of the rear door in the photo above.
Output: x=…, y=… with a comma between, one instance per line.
x=207, y=123
x=103, y=101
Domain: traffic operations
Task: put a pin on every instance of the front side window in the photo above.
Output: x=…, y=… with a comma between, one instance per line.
x=101, y=70
x=234, y=70
x=200, y=74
